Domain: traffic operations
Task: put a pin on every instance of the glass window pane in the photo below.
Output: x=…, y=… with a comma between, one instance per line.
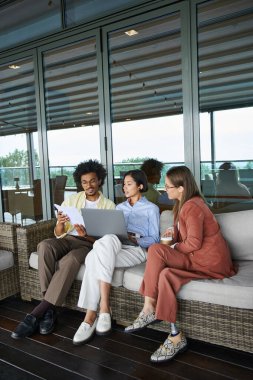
x=226, y=95
x=19, y=155
x=24, y=20
x=146, y=95
x=72, y=111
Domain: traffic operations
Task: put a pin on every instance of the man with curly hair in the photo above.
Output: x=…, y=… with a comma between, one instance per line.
x=60, y=258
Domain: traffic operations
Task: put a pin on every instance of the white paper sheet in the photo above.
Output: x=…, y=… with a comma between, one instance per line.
x=72, y=212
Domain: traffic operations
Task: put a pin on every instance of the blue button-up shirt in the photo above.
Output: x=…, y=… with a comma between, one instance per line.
x=142, y=218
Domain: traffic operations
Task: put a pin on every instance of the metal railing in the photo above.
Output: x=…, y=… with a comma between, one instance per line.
x=7, y=174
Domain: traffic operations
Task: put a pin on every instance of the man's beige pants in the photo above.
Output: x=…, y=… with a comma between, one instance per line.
x=59, y=263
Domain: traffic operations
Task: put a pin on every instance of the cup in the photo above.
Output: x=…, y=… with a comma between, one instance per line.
x=166, y=240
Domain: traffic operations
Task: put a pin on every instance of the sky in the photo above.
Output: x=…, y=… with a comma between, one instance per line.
x=160, y=138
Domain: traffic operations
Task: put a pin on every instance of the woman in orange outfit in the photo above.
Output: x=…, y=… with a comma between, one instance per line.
x=198, y=251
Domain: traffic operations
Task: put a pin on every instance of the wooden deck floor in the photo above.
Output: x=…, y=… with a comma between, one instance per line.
x=117, y=356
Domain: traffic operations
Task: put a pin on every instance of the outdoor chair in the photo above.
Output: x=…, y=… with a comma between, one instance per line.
x=9, y=275
x=10, y=204
x=59, y=188
x=31, y=205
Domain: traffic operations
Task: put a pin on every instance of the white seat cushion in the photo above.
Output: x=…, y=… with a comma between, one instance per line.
x=133, y=277
x=6, y=259
x=236, y=291
x=117, y=279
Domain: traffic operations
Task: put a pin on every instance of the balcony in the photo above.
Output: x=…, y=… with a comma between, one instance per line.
x=17, y=178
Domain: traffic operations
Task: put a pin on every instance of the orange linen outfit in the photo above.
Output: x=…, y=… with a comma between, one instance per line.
x=200, y=252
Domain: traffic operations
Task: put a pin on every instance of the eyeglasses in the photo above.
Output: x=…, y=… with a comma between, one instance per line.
x=169, y=187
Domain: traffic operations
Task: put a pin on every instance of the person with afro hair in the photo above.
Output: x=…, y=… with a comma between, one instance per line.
x=60, y=258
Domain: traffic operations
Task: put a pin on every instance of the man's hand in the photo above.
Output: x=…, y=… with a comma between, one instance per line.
x=80, y=229
x=132, y=238
x=62, y=218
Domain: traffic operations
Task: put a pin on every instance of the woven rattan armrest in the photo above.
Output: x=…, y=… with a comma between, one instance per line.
x=8, y=237
x=9, y=278
x=28, y=237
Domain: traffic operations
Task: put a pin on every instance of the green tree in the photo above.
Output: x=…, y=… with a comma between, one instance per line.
x=136, y=159
x=17, y=158
x=15, y=164
x=128, y=164
x=249, y=165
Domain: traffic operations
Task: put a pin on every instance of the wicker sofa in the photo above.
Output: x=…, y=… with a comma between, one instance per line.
x=215, y=311
x=9, y=276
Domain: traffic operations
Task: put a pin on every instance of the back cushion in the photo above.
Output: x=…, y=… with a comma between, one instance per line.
x=237, y=229
x=166, y=220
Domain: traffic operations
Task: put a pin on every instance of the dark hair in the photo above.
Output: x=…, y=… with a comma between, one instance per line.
x=227, y=166
x=139, y=177
x=227, y=173
x=91, y=166
x=151, y=166
x=182, y=176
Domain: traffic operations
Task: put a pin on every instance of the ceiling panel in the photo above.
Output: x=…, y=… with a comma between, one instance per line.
x=145, y=73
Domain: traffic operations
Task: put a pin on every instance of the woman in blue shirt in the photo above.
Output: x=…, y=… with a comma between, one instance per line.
x=142, y=220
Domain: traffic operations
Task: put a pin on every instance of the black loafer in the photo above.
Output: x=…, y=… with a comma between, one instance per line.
x=47, y=322
x=26, y=328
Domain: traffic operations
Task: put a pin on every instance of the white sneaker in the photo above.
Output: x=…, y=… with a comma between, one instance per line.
x=84, y=333
x=104, y=324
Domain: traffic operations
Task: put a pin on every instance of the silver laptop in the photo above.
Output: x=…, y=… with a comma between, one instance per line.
x=99, y=222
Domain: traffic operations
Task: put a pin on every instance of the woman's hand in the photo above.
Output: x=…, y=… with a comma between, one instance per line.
x=80, y=229
x=169, y=232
